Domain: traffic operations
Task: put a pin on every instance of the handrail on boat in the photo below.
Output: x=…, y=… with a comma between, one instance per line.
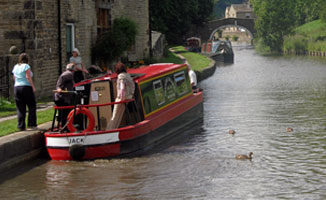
x=74, y=107
x=92, y=105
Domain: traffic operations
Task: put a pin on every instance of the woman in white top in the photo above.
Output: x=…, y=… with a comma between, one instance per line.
x=79, y=66
x=125, y=91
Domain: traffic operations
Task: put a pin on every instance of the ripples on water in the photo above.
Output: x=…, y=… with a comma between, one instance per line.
x=258, y=97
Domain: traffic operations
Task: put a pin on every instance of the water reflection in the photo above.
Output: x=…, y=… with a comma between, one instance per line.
x=258, y=97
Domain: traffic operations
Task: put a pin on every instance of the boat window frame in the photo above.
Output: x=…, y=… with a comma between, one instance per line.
x=183, y=82
x=159, y=99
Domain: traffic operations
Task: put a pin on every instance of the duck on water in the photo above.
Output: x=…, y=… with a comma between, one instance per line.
x=244, y=157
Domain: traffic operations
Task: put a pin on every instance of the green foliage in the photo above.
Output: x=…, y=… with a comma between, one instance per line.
x=307, y=10
x=311, y=27
x=295, y=44
x=277, y=18
x=111, y=44
x=10, y=126
x=196, y=61
x=322, y=14
x=175, y=18
x=308, y=37
x=235, y=38
x=7, y=108
x=274, y=21
x=261, y=47
x=317, y=46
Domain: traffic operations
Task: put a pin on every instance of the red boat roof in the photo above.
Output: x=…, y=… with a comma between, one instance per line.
x=142, y=73
x=154, y=70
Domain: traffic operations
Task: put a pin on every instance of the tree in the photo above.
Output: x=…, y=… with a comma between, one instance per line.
x=275, y=19
x=174, y=18
x=308, y=10
x=322, y=13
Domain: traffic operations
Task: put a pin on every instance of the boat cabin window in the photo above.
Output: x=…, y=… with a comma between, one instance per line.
x=166, y=89
x=180, y=81
x=159, y=93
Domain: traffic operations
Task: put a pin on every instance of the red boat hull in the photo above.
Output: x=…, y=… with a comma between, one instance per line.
x=127, y=140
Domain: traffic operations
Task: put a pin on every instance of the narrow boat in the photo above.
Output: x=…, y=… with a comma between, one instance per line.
x=164, y=105
x=193, y=44
x=220, y=51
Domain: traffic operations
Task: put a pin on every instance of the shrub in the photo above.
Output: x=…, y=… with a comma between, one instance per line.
x=235, y=38
x=261, y=47
x=295, y=44
x=111, y=44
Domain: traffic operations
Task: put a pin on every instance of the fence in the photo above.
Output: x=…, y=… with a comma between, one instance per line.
x=6, y=83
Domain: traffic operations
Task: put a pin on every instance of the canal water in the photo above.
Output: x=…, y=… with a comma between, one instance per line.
x=258, y=97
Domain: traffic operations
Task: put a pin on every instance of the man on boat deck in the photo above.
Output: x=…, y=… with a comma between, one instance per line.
x=125, y=91
x=62, y=98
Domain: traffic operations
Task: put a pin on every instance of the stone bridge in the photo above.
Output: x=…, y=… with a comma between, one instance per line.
x=207, y=31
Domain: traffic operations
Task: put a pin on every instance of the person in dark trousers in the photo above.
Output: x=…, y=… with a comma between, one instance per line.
x=61, y=98
x=24, y=91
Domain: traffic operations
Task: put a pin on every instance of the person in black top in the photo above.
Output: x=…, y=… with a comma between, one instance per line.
x=65, y=83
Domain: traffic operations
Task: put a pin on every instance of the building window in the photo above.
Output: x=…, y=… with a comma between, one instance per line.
x=103, y=20
x=70, y=39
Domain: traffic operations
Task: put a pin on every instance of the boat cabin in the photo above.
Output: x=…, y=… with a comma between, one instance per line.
x=156, y=87
x=218, y=50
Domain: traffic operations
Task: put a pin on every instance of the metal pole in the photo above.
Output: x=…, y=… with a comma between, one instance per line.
x=150, y=29
x=59, y=36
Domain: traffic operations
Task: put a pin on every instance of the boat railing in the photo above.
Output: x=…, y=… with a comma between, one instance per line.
x=128, y=102
x=92, y=105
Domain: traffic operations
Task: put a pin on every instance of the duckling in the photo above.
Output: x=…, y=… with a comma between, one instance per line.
x=243, y=157
x=289, y=129
x=231, y=131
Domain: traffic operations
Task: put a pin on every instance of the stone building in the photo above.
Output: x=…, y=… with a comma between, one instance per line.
x=48, y=30
x=243, y=10
x=240, y=11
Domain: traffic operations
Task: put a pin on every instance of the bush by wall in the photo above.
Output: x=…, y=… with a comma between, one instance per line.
x=113, y=43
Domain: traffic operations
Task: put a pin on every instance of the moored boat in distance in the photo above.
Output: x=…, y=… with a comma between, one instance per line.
x=218, y=50
x=163, y=106
x=193, y=44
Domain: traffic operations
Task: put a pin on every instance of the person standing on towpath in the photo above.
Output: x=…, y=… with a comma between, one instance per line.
x=24, y=92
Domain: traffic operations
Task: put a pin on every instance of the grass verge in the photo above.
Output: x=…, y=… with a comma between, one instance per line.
x=170, y=58
x=196, y=60
x=308, y=37
x=10, y=126
x=7, y=108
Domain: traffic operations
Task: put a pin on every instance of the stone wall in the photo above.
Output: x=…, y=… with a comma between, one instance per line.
x=83, y=15
x=138, y=12
x=32, y=26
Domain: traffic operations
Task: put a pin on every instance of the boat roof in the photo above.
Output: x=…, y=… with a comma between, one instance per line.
x=139, y=74
x=154, y=70
x=193, y=38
